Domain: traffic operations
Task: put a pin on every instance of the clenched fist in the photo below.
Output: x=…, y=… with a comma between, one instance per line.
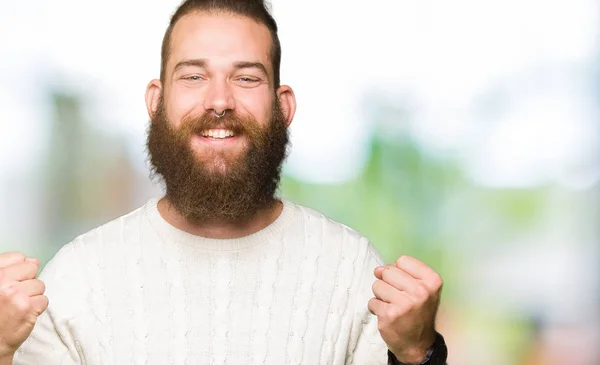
x=407, y=297
x=21, y=301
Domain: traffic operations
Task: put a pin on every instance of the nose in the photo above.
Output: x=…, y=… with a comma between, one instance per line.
x=219, y=97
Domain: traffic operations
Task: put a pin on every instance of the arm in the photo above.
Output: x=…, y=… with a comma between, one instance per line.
x=52, y=341
x=366, y=347
x=367, y=342
x=407, y=296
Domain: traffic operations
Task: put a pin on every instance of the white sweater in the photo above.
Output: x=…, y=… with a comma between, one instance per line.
x=139, y=291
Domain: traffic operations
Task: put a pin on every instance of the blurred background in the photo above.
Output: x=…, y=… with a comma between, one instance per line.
x=465, y=133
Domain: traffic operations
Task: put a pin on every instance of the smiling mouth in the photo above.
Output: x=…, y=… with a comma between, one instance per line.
x=217, y=133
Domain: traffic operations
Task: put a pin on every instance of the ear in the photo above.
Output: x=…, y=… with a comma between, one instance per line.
x=153, y=91
x=287, y=100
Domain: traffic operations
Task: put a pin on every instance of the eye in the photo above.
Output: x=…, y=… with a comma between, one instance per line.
x=247, y=81
x=192, y=77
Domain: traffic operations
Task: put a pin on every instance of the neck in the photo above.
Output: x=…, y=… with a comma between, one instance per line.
x=221, y=229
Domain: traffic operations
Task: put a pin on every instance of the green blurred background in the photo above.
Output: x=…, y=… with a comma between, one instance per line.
x=466, y=134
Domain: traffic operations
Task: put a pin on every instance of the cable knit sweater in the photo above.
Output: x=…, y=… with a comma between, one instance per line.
x=139, y=291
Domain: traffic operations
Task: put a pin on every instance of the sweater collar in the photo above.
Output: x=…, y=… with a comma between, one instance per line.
x=169, y=233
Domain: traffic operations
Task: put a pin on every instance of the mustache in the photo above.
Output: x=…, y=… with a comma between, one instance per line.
x=230, y=121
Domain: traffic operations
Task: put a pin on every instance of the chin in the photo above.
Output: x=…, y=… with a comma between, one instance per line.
x=214, y=164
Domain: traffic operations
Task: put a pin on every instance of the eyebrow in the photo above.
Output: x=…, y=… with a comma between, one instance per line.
x=196, y=63
x=246, y=64
x=237, y=65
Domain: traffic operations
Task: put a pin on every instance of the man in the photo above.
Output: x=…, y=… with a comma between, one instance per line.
x=219, y=270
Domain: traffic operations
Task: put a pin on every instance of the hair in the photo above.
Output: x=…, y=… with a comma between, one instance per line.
x=253, y=9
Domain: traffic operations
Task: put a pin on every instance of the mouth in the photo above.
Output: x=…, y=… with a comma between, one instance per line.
x=216, y=138
x=217, y=134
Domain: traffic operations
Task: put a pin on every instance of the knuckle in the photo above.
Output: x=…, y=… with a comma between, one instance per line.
x=437, y=282
x=21, y=303
x=41, y=306
x=371, y=305
x=42, y=286
x=405, y=260
x=4, y=296
x=375, y=286
x=404, y=307
x=32, y=266
x=8, y=293
x=392, y=313
x=387, y=272
x=15, y=256
x=401, y=260
x=421, y=291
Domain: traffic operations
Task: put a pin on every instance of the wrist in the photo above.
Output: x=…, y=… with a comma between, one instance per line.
x=437, y=354
x=416, y=353
x=413, y=356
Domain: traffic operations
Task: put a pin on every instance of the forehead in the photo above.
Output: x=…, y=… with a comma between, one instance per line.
x=220, y=38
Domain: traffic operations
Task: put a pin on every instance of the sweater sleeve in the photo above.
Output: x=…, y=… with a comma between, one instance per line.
x=366, y=346
x=52, y=341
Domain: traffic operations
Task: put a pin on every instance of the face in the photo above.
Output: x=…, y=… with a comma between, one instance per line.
x=218, y=63
x=218, y=168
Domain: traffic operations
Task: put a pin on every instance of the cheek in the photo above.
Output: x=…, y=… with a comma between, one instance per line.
x=257, y=105
x=182, y=104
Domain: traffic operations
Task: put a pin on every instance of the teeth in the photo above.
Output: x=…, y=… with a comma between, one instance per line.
x=217, y=133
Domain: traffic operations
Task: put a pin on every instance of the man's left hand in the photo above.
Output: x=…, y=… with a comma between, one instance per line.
x=407, y=296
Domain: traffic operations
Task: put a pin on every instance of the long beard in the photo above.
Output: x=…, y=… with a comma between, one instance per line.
x=218, y=186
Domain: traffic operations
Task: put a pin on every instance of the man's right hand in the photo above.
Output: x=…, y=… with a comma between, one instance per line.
x=22, y=300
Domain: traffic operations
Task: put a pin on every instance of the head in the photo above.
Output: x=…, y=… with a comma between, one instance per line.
x=252, y=9
x=219, y=56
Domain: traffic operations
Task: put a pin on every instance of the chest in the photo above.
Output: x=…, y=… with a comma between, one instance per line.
x=217, y=310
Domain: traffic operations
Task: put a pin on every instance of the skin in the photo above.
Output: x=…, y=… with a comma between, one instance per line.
x=219, y=63
x=21, y=301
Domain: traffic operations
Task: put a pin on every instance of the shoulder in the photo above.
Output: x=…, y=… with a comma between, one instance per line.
x=81, y=253
x=120, y=229
x=318, y=220
x=68, y=274
x=106, y=239
x=350, y=240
